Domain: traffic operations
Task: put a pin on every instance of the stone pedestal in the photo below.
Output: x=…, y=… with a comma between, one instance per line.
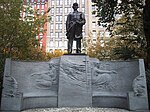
x=11, y=104
x=137, y=102
x=74, y=82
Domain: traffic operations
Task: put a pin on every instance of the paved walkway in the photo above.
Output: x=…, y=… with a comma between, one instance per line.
x=77, y=110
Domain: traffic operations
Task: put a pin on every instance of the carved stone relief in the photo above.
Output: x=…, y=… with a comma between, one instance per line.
x=74, y=72
x=139, y=86
x=103, y=78
x=11, y=87
x=45, y=79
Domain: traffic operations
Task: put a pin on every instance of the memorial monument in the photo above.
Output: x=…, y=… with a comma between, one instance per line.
x=74, y=80
x=74, y=24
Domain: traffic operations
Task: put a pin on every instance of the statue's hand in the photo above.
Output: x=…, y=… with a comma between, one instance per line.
x=79, y=22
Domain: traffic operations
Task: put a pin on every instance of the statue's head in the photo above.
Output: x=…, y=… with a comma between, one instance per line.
x=75, y=6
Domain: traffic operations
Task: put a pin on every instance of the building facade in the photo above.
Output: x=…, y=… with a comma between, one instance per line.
x=55, y=36
x=56, y=30
x=42, y=6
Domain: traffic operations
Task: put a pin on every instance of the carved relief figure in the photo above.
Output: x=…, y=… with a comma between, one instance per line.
x=103, y=79
x=46, y=79
x=139, y=86
x=11, y=87
x=74, y=72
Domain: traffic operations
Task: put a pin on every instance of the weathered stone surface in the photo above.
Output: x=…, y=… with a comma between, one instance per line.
x=74, y=82
x=138, y=100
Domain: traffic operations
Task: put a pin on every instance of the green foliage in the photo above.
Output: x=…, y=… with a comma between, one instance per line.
x=18, y=33
x=128, y=30
x=108, y=9
x=125, y=23
x=127, y=40
x=56, y=53
x=101, y=49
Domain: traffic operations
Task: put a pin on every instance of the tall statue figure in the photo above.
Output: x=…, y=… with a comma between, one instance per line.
x=74, y=24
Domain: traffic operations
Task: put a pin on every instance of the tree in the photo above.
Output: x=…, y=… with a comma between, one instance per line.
x=101, y=49
x=146, y=22
x=56, y=53
x=108, y=10
x=18, y=33
x=129, y=9
x=128, y=30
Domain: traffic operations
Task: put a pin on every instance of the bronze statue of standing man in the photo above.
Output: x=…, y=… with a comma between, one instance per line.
x=74, y=24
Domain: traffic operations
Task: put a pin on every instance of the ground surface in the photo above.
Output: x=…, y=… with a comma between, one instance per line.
x=77, y=110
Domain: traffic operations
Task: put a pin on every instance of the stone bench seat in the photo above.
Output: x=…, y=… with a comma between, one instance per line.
x=110, y=99
x=39, y=101
x=110, y=94
x=74, y=81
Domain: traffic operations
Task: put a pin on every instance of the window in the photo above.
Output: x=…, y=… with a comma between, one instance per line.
x=67, y=10
x=38, y=6
x=51, y=43
x=65, y=18
x=83, y=9
x=67, y=2
x=58, y=43
x=52, y=2
x=61, y=2
x=94, y=34
x=52, y=26
x=83, y=2
x=58, y=34
x=58, y=18
x=59, y=10
x=94, y=24
x=52, y=34
x=59, y=26
x=66, y=44
x=42, y=6
x=93, y=7
x=52, y=10
x=57, y=2
x=52, y=18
